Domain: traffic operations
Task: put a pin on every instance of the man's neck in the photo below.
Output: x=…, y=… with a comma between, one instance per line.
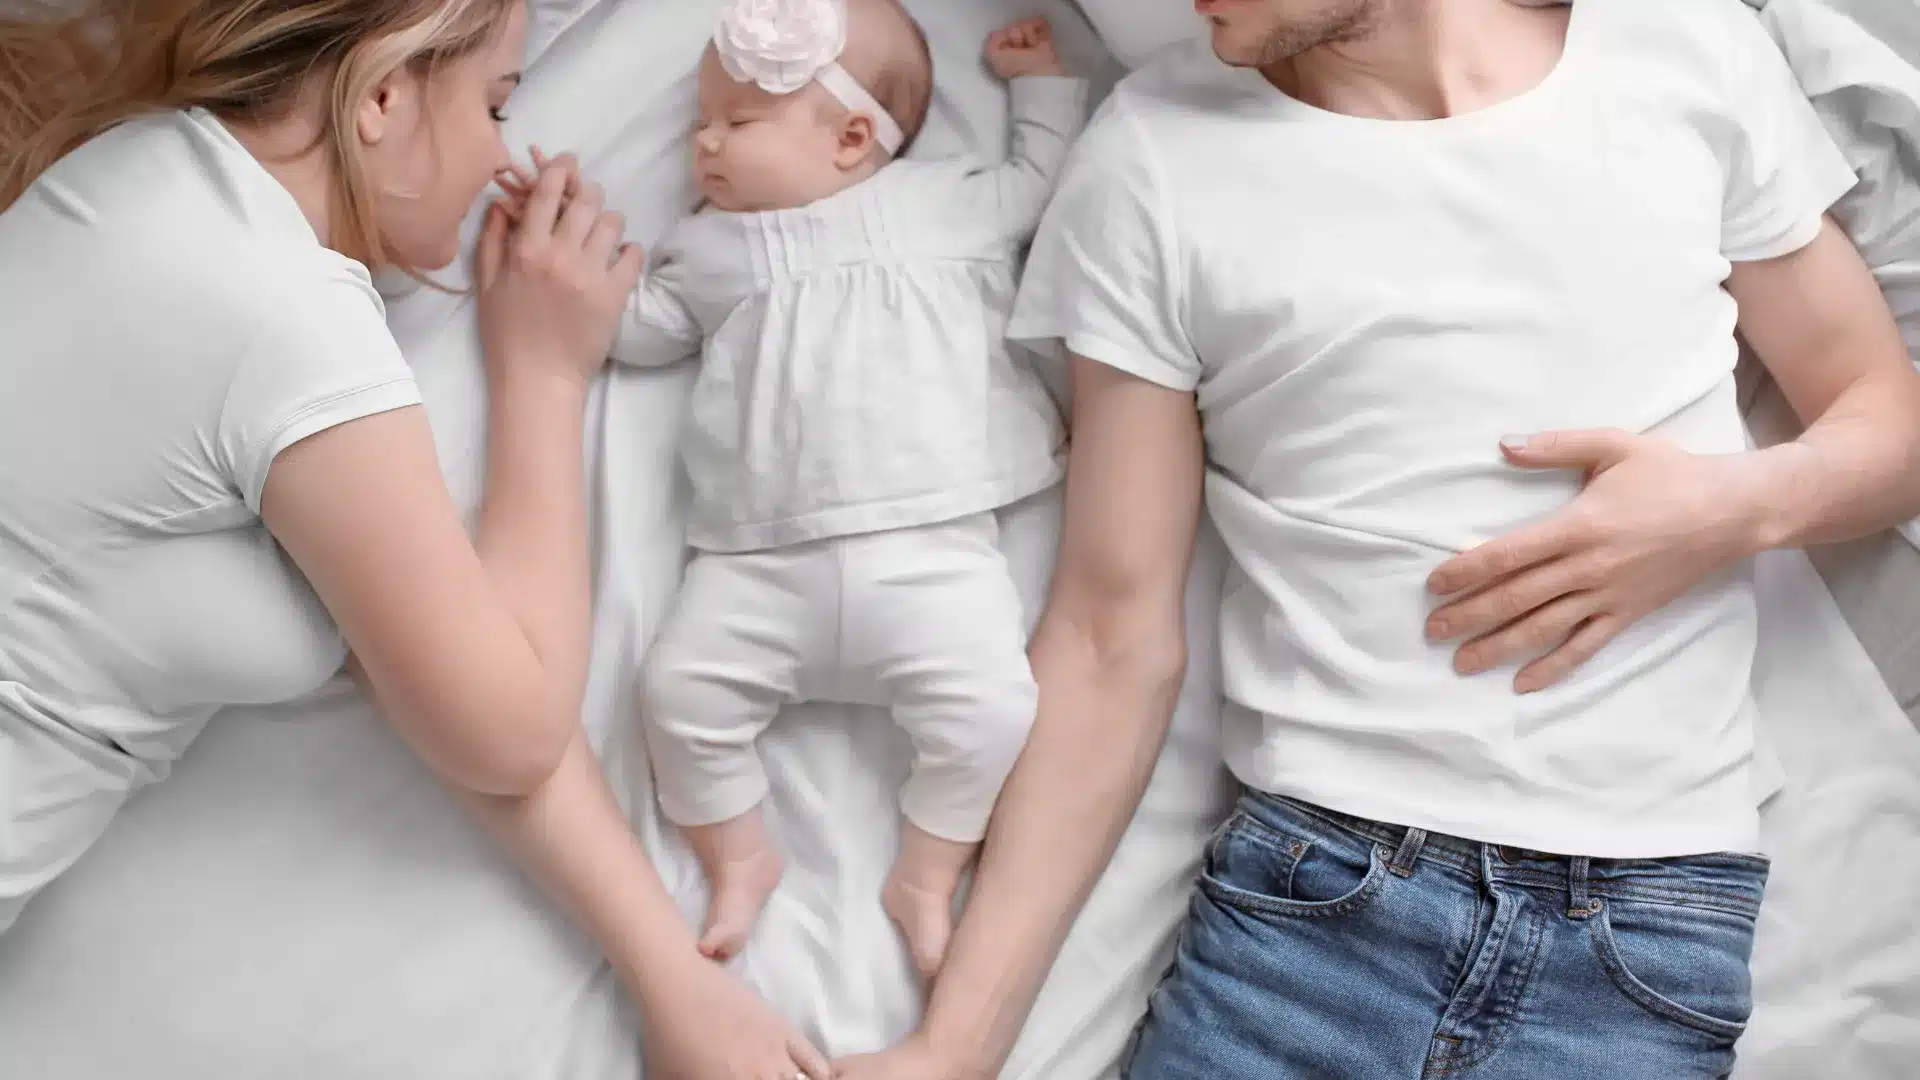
x=1429, y=59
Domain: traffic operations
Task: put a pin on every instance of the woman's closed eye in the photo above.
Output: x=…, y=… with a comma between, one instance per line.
x=503, y=86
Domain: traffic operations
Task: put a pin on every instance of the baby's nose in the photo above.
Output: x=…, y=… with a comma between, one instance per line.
x=708, y=139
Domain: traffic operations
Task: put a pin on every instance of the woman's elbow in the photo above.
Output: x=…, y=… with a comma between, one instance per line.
x=524, y=770
x=510, y=750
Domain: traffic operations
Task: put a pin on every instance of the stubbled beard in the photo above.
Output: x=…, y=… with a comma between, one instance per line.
x=1349, y=20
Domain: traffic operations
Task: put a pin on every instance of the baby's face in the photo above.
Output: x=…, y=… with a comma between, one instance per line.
x=754, y=151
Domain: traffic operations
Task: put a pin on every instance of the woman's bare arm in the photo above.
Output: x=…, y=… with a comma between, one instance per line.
x=477, y=651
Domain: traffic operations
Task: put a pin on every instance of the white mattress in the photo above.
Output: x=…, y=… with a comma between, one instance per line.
x=301, y=901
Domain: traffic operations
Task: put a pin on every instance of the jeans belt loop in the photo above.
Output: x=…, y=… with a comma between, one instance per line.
x=1580, y=900
x=1407, y=853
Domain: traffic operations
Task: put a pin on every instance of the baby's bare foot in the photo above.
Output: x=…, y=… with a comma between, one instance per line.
x=925, y=919
x=742, y=869
x=740, y=890
x=919, y=893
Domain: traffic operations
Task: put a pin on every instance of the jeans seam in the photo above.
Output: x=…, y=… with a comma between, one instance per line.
x=1131, y=1051
x=1509, y=1002
x=1259, y=832
x=1256, y=903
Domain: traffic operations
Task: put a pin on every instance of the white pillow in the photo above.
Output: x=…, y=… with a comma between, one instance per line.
x=1136, y=29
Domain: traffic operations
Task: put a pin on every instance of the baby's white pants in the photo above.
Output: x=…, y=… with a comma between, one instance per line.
x=924, y=620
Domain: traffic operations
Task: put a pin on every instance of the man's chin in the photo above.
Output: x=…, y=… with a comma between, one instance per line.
x=1231, y=50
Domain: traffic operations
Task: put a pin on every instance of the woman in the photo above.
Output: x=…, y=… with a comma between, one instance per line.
x=200, y=386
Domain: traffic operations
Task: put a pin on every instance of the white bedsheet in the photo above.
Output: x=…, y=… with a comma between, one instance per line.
x=301, y=901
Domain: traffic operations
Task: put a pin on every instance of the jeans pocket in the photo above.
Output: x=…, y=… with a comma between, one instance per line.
x=1689, y=966
x=1262, y=870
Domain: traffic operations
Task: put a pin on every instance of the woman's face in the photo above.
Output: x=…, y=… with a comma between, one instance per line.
x=432, y=144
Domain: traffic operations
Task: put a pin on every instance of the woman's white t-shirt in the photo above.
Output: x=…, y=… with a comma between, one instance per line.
x=1364, y=309
x=169, y=323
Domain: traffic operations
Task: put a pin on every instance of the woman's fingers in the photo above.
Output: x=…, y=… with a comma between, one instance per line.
x=493, y=245
x=605, y=237
x=812, y=1063
x=516, y=178
x=627, y=270
x=542, y=211
x=568, y=160
x=581, y=214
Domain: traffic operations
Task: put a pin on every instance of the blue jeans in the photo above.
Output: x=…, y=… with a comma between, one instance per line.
x=1323, y=947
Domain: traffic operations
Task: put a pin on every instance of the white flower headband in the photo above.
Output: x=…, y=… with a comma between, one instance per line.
x=782, y=45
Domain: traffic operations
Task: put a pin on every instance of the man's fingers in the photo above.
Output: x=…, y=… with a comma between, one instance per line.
x=1532, y=545
x=1583, y=646
x=1540, y=632
x=1509, y=600
x=1594, y=451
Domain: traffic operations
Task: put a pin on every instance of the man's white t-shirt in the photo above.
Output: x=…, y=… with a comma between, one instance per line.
x=168, y=324
x=1364, y=309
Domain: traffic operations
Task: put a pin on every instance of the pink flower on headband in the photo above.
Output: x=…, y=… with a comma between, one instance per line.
x=780, y=45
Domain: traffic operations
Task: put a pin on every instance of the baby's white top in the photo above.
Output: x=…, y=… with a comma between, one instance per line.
x=856, y=376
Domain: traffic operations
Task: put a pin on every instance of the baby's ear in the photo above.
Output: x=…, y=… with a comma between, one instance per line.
x=857, y=141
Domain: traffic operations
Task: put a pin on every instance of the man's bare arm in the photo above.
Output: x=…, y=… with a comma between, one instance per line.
x=1110, y=655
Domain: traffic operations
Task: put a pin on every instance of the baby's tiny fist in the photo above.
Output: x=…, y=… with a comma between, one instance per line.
x=1023, y=49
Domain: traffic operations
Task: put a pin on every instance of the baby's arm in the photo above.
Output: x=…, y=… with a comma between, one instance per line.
x=1049, y=111
x=658, y=328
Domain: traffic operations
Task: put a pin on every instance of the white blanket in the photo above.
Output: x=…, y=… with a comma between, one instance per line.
x=301, y=901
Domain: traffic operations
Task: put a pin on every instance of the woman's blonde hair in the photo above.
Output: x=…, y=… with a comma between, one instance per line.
x=66, y=78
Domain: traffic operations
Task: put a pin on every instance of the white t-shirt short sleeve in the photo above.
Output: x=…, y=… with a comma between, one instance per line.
x=1365, y=308
x=323, y=362
x=1103, y=277
x=172, y=324
x=1784, y=171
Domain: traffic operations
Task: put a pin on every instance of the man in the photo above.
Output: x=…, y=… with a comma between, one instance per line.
x=1435, y=301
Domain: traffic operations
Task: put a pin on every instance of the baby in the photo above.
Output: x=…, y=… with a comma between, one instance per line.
x=856, y=422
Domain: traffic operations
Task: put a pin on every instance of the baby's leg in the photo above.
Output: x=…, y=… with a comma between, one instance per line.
x=723, y=664
x=940, y=622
